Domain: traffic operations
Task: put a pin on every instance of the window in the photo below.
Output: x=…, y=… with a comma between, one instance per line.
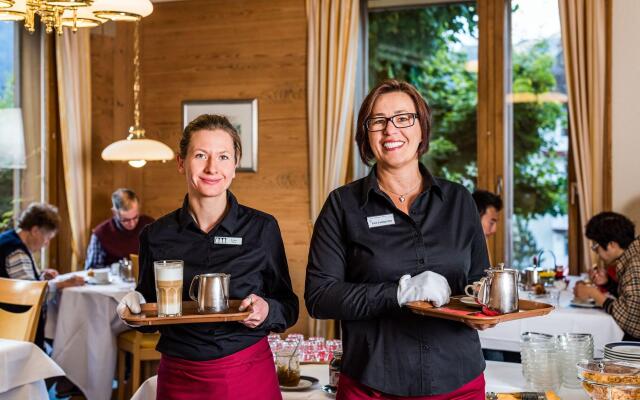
x=493, y=73
x=8, y=71
x=538, y=133
x=434, y=48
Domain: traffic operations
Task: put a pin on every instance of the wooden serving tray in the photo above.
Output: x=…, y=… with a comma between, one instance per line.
x=455, y=310
x=190, y=315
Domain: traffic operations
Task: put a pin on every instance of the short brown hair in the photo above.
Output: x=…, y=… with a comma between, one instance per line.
x=123, y=199
x=210, y=122
x=41, y=215
x=422, y=109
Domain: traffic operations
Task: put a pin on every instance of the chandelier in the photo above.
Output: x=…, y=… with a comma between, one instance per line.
x=56, y=14
x=136, y=149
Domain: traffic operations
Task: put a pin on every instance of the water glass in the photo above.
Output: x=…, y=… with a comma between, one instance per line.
x=574, y=348
x=540, y=361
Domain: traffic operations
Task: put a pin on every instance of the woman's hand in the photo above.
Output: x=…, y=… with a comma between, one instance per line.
x=75, y=280
x=583, y=291
x=49, y=273
x=259, y=309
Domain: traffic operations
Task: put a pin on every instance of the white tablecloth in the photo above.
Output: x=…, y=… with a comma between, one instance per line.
x=23, y=368
x=500, y=377
x=506, y=336
x=84, y=325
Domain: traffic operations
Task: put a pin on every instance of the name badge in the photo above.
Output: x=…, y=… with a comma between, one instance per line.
x=231, y=241
x=380, y=220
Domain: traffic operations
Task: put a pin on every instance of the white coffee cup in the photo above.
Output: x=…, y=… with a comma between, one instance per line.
x=101, y=275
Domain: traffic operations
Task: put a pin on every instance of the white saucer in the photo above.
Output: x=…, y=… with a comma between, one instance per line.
x=583, y=304
x=470, y=301
x=304, y=384
x=92, y=281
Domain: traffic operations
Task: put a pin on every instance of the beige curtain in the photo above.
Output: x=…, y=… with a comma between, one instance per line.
x=73, y=65
x=584, y=39
x=332, y=52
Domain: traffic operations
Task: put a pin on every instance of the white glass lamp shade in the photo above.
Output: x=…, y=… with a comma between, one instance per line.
x=85, y=18
x=137, y=149
x=12, y=151
x=122, y=10
x=16, y=12
x=6, y=3
x=68, y=3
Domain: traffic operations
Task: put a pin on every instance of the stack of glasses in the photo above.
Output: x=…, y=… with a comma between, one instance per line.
x=574, y=348
x=541, y=361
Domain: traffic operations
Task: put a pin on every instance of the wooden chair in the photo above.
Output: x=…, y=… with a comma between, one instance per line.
x=142, y=347
x=29, y=295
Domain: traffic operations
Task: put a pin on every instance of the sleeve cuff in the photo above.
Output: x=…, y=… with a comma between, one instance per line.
x=608, y=305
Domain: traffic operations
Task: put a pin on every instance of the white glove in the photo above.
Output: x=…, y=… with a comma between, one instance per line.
x=132, y=301
x=428, y=285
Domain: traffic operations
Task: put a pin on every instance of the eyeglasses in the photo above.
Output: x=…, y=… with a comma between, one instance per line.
x=594, y=247
x=378, y=124
x=127, y=220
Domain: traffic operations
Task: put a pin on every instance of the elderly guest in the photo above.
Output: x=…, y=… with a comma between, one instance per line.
x=222, y=361
x=117, y=237
x=396, y=236
x=36, y=226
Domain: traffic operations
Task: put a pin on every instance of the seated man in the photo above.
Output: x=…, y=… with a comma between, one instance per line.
x=614, y=240
x=117, y=237
x=37, y=225
x=489, y=206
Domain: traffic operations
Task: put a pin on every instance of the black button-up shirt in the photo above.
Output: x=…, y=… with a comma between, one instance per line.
x=353, y=272
x=258, y=265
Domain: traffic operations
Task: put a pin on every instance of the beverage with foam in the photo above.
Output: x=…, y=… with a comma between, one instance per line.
x=169, y=287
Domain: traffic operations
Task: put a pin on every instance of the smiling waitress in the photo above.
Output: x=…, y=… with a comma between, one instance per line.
x=396, y=236
x=226, y=361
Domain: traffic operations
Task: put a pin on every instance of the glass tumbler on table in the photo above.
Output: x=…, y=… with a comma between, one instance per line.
x=574, y=348
x=288, y=367
x=540, y=361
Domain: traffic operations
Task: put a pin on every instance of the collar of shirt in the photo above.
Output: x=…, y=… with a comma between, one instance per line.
x=229, y=222
x=371, y=184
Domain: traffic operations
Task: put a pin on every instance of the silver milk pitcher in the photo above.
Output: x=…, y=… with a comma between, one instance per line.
x=213, y=292
x=498, y=291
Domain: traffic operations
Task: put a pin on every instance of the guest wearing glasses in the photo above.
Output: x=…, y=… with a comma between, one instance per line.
x=213, y=232
x=395, y=236
x=117, y=237
x=615, y=242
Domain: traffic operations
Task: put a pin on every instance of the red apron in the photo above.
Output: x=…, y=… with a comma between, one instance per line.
x=248, y=374
x=350, y=389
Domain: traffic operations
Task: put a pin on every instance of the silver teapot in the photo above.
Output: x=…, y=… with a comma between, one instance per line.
x=498, y=291
x=213, y=292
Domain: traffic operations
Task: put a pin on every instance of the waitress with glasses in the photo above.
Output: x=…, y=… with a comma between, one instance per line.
x=396, y=236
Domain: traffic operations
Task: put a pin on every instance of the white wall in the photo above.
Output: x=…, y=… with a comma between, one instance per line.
x=626, y=108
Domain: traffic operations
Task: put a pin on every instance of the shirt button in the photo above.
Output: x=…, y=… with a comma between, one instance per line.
x=421, y=261
x=425, y=347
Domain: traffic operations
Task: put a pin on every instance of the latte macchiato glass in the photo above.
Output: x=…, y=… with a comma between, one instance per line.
x=169, y=287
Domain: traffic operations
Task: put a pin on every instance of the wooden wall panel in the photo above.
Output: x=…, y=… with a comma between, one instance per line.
x=210, y=50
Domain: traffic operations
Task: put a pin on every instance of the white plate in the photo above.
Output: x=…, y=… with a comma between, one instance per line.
x=624, y=348
x=470, y=301
x=92, y=281
x=304, y=384
x=583, y=304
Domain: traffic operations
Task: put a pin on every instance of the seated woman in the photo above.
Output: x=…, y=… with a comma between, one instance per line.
x=218, y=360
x=36, y=226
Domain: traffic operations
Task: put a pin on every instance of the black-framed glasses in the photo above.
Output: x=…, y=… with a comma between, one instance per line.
x=403, y=120
x=594, y=247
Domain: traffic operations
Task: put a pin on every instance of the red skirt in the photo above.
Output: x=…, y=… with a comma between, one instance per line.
x=350, y=389
x=248, y=374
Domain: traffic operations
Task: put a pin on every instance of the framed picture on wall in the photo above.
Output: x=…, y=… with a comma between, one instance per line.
x=243, y=114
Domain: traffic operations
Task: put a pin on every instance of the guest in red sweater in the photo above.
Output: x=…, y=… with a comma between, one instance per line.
x=117, y=237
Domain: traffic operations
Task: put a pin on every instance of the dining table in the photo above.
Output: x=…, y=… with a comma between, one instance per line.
x=23, y=369
x=565, y=318
x=84, y=326
x=500, y=377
